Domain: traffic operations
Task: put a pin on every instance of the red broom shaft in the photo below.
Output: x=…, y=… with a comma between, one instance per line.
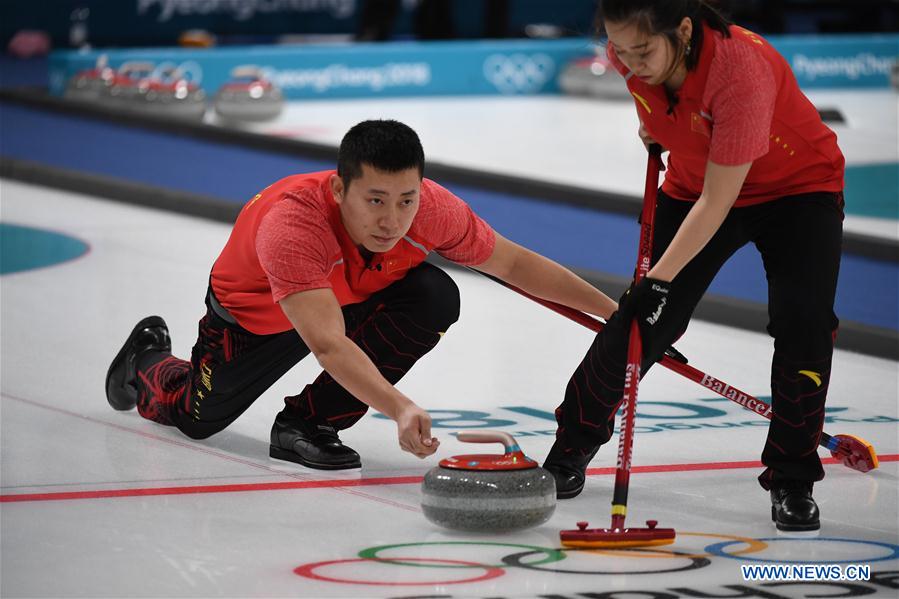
x=626, y=444
x=694, y=374
x=718, y=386
x=635, y=345
x=732, y=393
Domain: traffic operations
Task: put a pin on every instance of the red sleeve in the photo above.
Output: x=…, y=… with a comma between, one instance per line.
x=740, y=93
x=296, y=245
x=458, y=234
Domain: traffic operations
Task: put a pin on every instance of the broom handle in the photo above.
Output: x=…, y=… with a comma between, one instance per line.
x=673, y=362
x=635, y=345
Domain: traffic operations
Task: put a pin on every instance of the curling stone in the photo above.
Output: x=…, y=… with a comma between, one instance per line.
x=165, y=90
x=248, y=96
x=128, y=83
x=593, y=76
x=170, y=92
x=488, y=492
x=91, y=84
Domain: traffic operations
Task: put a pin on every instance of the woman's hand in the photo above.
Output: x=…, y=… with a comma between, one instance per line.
x=644, y=136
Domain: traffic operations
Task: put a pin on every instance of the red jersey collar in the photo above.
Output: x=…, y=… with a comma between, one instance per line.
x=694, y=84
x=347, y=245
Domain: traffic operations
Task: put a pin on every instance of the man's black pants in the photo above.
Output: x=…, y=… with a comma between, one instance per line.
x=799, y=238
x=231, y=367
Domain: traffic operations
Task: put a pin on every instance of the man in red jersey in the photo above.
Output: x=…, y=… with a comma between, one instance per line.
x=750, y=162
x=331, y=263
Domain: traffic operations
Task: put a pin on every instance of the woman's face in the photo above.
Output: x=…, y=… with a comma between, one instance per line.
x=648, y=56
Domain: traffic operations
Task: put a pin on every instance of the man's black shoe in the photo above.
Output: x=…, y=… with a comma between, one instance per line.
x=311, y=444
x=792, y=506
x=568, y=467
x=151, y=333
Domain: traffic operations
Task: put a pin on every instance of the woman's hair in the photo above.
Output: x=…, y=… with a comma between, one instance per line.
x=662, y=17
x=385, y=145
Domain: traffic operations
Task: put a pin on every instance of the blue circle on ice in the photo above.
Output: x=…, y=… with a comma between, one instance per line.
x=26, y=248
x=719, y=550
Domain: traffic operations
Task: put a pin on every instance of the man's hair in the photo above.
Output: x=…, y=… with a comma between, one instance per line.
x=385, y=145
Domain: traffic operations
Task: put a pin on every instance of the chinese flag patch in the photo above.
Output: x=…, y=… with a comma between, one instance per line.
x=395, y=264
x=698, y=124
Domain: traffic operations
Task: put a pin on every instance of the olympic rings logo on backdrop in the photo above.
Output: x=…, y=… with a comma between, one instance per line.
x=368, y=566
x=189, y=69
x=519, y=73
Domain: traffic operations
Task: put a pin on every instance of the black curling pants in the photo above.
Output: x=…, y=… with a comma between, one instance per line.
x=799, y=238
x=231, y=367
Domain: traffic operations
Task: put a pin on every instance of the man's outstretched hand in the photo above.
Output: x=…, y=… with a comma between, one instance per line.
x=414, y=431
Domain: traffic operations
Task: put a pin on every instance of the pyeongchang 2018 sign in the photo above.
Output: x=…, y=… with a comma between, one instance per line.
x=370, y=80
x=242, y=10
x=363, y=70
x=854, y=68
x=508, y=67
x=839, y=60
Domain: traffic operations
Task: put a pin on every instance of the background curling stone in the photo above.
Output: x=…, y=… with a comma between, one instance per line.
x=488, y=493
x=593, y=76
x=170, y=92
x=91, y=84
x=248, y=96
x=128, y=84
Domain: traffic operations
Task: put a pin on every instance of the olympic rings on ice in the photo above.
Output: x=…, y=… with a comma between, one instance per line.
x=308, y=571
x=718, y=550
x=552, y=555
x=695, y=562
x=753, y=546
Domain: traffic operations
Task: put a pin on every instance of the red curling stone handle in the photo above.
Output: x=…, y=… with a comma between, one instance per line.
x=508, y=441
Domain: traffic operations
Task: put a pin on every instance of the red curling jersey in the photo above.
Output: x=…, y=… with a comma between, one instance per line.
x=290, y=238
x=740, y=104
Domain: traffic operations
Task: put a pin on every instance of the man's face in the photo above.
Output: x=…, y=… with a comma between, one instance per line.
x=377, y=208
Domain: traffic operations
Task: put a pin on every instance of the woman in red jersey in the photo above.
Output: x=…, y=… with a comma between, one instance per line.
x=750, y=161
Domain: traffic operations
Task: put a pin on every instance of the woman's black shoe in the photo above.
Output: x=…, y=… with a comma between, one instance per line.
x=792, y=507
x=569, y=468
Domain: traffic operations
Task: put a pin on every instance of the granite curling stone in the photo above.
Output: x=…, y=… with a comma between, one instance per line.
x=593, y=76
x=91, y=84
x=488, y=493
x=129, y=83
x=162, y=90
x=248, y=96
